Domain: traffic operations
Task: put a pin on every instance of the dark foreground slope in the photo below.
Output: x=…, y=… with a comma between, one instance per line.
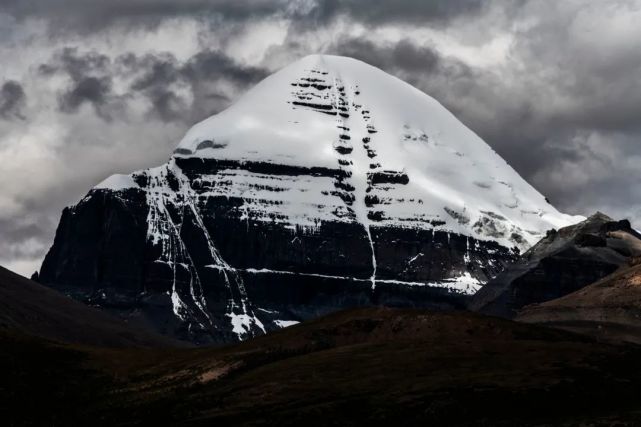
x=609, y=309
x=28, y=308
x=561, y=263
x=363, y=367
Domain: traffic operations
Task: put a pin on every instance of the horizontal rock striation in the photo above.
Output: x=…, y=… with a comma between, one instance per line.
x=184, y=253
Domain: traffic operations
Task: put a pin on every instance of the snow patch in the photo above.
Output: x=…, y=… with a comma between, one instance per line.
x=117, y=183
x=465, y=284
x=286, y=323
x=242, y=323
x=179, y=307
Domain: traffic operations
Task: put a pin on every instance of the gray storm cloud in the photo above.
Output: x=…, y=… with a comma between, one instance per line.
x=12, y=100
x=96, y=88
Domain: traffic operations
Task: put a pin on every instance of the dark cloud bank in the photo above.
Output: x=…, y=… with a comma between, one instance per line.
x=12, y=100
x=562, y=110
x=153, y=76
x=92, y=15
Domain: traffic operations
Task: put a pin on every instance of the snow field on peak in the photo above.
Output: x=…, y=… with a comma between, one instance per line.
x=299, y=115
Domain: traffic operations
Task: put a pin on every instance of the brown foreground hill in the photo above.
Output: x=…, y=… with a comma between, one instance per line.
x=609, y=309
x=359, y=367
x=28, y=308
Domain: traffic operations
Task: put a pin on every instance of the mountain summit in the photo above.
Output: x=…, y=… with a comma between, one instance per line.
x=329, y=184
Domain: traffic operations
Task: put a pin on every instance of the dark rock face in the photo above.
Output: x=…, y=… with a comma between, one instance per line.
x=561, y=263
x=201, y=266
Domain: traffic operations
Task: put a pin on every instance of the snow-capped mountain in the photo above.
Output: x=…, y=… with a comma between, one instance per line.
x=330, y=184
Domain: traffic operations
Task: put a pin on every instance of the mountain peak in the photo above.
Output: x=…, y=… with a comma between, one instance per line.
x=329, y=184
x=294, y=113
x=405, y=159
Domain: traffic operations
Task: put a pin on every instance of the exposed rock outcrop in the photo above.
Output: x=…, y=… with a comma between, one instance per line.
x=561, y=263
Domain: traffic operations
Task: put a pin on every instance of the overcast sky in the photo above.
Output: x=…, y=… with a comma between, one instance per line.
x=89, y=88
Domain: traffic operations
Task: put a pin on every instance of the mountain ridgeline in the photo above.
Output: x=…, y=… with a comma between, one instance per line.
x=331, y=184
